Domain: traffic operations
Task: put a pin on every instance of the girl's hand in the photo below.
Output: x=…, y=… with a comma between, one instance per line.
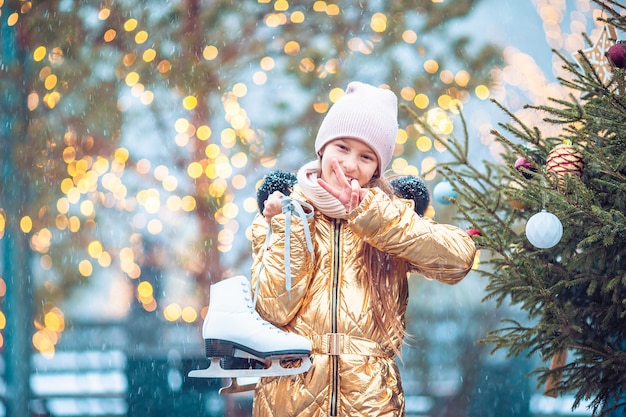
x=273, y=205
x=350, y=194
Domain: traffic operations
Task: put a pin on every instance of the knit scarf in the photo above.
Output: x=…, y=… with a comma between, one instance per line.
x=322, y=200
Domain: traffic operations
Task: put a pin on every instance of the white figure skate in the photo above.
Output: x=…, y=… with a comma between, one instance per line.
x=240, y=344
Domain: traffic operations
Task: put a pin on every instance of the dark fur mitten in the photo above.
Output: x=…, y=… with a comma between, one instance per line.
x=275, y=181
x=412, y=188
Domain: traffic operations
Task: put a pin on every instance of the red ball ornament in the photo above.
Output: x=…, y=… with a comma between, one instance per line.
x=524, y=166
x=473, y=232
x=617, y=54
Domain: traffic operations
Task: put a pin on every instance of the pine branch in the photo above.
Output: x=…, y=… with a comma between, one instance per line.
x=487, y=238
x=594, y=79
x=575, y=113
x=533, y=136
x=610, y=7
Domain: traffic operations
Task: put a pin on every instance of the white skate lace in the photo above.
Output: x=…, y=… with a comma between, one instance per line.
x=290, y=206
x=255, y=314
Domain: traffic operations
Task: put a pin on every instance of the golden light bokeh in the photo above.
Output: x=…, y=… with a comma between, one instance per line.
x=297, y=17
x=409, y=36
x=148, y=55
x=110, y=35
x=104, y=13
x=85, y=268
x=431, y=66
x=190, y=102
x=94, y=249
x=421, y=101
x=130, y=25
x=12, y=19
x=26, y=224
x=210, y=52
x=141, y=37
x=378, y=22
x=39, y=53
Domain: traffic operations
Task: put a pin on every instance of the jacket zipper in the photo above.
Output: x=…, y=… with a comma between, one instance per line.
x=334, y=307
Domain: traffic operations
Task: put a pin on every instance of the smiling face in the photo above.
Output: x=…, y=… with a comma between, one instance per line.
x=357, y=160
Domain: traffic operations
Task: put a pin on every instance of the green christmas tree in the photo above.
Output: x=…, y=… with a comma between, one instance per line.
x=551, y=219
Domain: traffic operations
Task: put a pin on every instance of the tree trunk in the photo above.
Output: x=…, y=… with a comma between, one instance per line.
x=15, y=252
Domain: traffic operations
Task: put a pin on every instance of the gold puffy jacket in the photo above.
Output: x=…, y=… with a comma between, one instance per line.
x=353, y=371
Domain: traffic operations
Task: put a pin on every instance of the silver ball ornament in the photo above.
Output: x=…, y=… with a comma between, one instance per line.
x=544, y=230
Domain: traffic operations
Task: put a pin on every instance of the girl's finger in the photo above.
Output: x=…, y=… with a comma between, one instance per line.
x=328, y=188
x=354, y=195
x=339, y=172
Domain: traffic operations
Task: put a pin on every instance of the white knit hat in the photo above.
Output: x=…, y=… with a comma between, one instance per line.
x=366, y=113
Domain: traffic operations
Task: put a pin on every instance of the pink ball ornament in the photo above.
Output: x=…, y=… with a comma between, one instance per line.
x=443, y=192
x=617, y=54
x=544, y=230
x=524, y=166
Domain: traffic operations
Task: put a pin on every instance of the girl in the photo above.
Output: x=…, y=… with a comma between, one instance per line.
x=337, y=273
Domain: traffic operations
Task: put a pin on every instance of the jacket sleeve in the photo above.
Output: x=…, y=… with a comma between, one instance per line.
x=280, y=295
x=437, y=251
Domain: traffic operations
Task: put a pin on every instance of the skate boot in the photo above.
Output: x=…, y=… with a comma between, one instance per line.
x=240, y=344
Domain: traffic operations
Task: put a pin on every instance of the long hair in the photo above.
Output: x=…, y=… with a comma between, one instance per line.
x=381, y=285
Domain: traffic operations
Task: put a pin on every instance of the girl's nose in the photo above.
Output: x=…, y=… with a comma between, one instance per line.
x=349, y=163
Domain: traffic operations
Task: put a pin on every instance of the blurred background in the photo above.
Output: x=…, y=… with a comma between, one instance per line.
x=133, y=137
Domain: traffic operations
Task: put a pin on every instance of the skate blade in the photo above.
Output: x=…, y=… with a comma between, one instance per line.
x=215, y=369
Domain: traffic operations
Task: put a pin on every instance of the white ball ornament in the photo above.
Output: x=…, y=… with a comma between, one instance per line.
x=544, y=230
x=443, y=192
